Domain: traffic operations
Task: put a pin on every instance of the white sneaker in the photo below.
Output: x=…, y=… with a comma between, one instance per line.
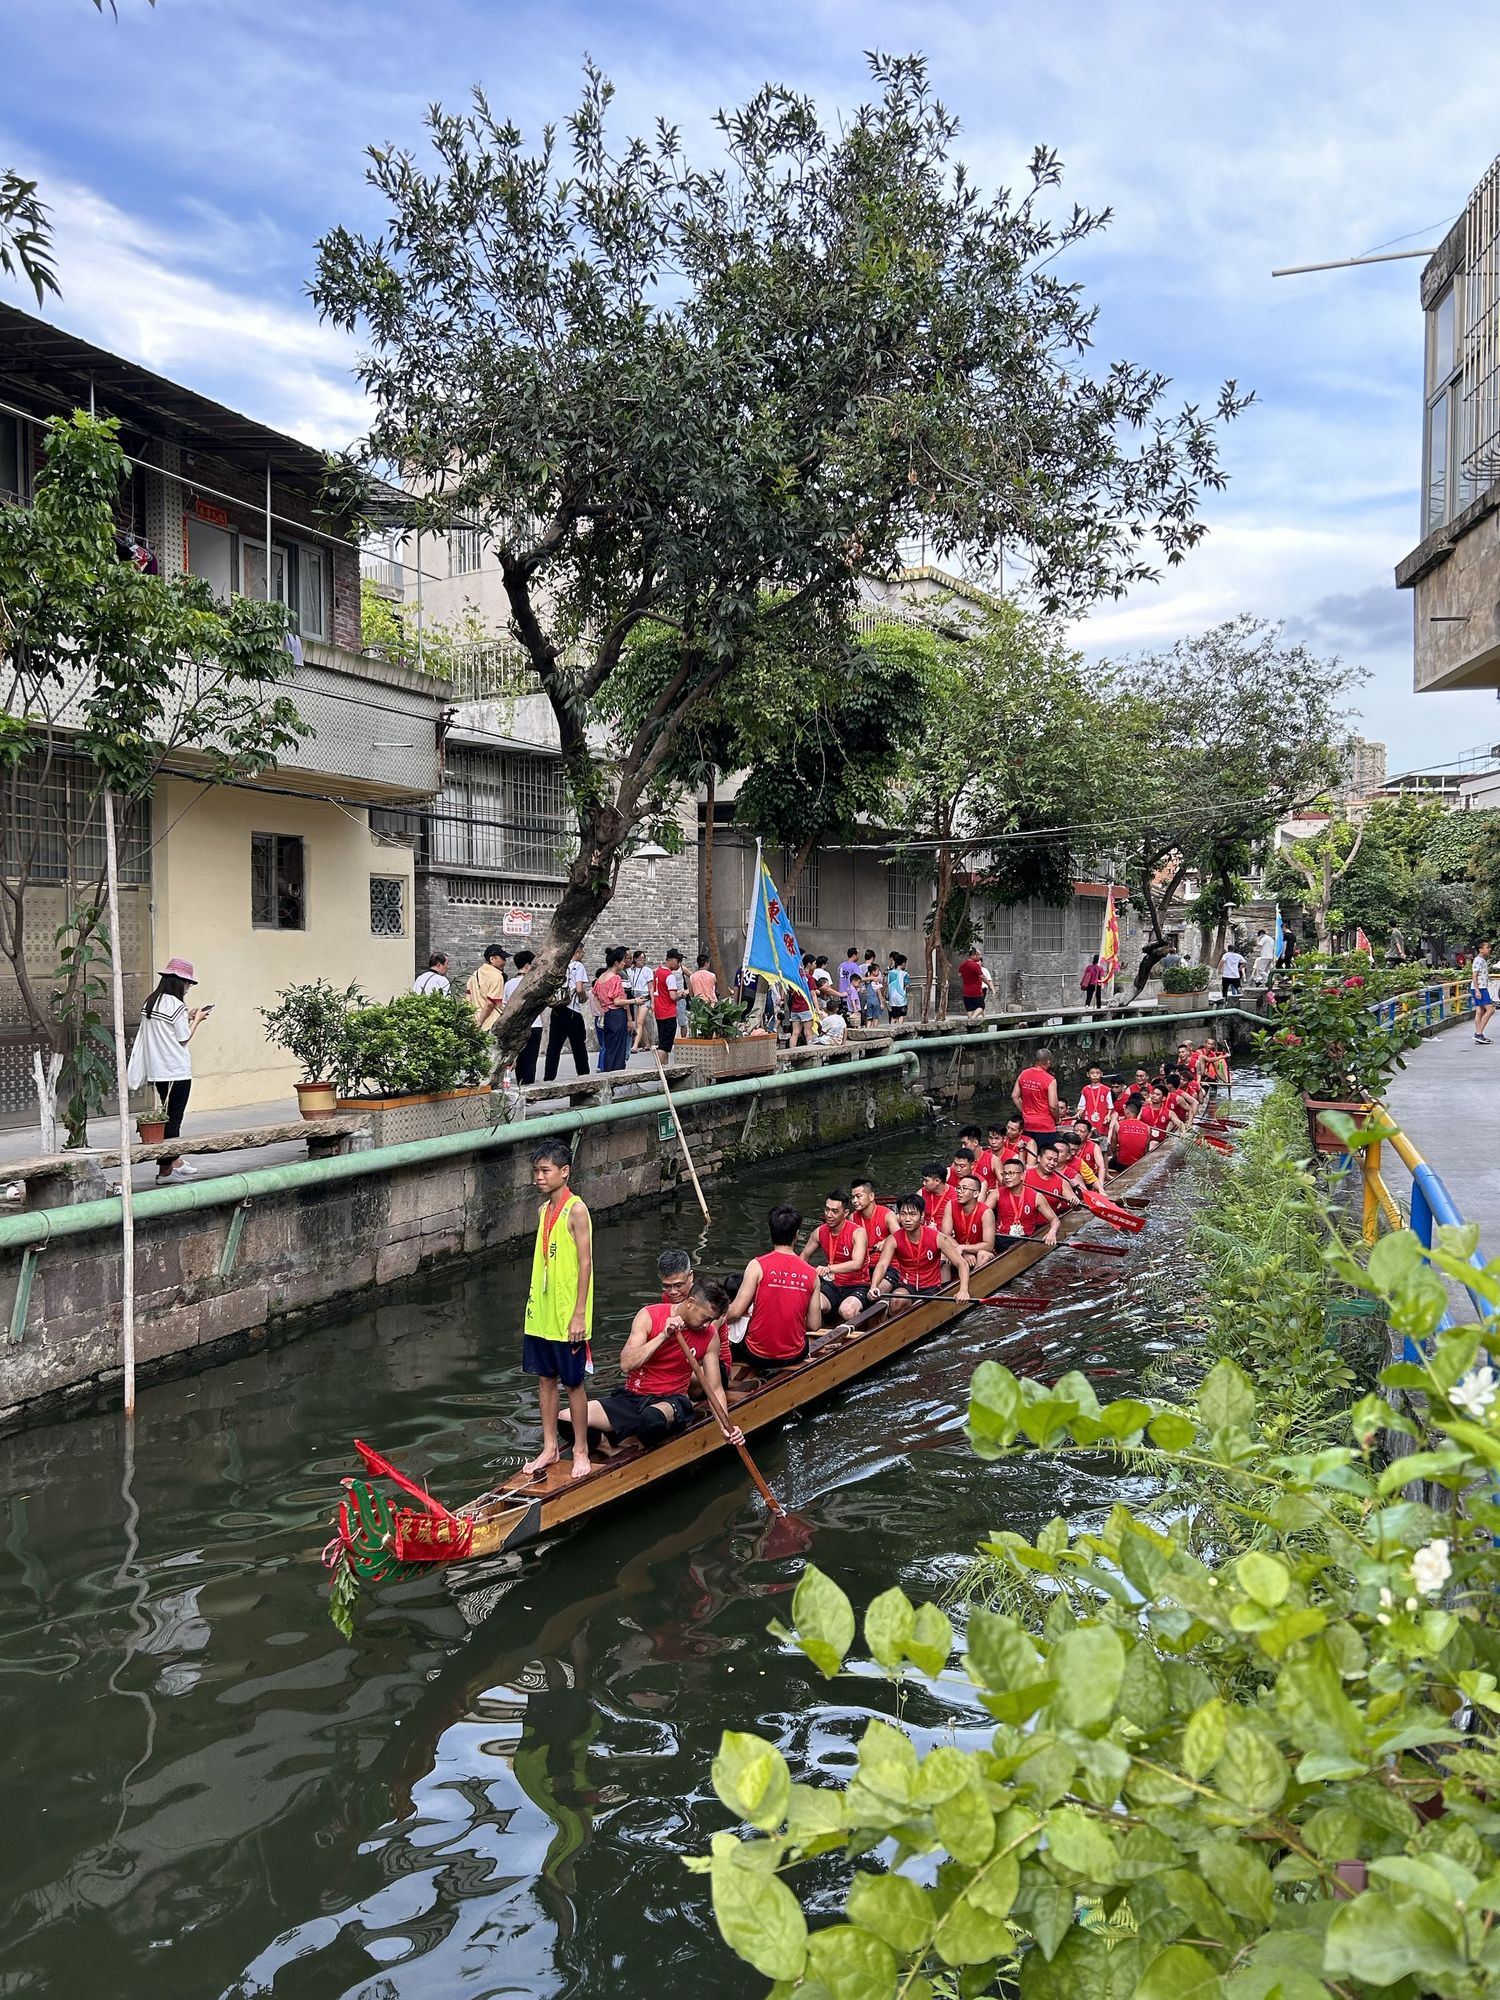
x=183, y=1171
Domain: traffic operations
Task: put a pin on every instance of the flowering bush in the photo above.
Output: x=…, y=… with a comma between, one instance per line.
x=1272, y=1778
x=1330, y=1044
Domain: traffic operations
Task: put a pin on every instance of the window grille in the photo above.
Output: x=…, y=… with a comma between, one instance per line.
x=463, y=551
x=1000, y=927
x=1049, y=927
x=1479, y=291
x=802, y=904
x=387, y=906
x=63, y=812
x=490, y=892
x=278, y=882
x=901, y=888
x=500, y=810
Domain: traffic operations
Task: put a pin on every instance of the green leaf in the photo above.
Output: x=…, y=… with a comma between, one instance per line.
x=1144, y=1698
x=824, y=1620
x=1251, y=1772
x=1088, y=1666
x=944, y=1772
x=1125, y=1418
x=898, y=1911
x=1179, y=1973
x=969, y=1935
x=887, y=1762
x=931, y=1640
x=966, y=1826
x=1172, y=1430
x=1263, y=1578
x=994, y=1886
x=889, y=1620
x=1044, y=1906
x=1000, y=1655
x=1239, y=1878
x=1227, y=1399
x=1381, y=1941
x=758, y=1916
x=1204, y=1737
x=1081, y=1845
x=813, y=1812
x=853, y=1964
x=751, y=1777
x=1393, y=1259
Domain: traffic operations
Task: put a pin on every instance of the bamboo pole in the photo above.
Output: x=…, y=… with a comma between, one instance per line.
x=721, y=1418
x=681, y=1137
x=122, y=1102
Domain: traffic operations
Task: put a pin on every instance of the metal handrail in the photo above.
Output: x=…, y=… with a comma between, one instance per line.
x=1431, y=1206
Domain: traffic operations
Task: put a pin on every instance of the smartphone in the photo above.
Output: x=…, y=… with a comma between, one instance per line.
x=207, y=1007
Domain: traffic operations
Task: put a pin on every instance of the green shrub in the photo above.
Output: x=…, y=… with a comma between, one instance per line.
x=308, y=1022
x=414, y=1045
x=1184, y=978
x=1330, y=1044
x=715, y=1020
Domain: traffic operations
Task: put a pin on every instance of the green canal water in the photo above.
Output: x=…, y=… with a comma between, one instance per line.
x=213, y=1794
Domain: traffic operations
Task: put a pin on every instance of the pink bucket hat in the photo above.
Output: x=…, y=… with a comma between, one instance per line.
x=178, y=968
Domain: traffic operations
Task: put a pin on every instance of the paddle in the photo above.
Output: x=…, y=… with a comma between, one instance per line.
x=681, y=1136
x=1208, y=1139
x=721, y=1418
x=1110, y=1212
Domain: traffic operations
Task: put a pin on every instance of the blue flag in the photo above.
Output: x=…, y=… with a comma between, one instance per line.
x=1280, y=940
x=771, y=948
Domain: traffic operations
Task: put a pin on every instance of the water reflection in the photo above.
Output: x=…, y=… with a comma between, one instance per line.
x=218, y=1795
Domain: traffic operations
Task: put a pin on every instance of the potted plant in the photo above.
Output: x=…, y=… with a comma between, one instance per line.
x=419, y=1064
x=1183, y=987
x=717, y=1045
x=308, y=1022
x=1333, y=1047
x=151, y=1131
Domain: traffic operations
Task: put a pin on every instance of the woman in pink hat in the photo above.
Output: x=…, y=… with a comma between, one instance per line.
x=160, y=1055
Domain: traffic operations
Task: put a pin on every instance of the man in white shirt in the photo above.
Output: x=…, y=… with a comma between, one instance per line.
x=435, y=978
x=566, y=1023
x=1265, y=953
x=526, y=1060
x=1231, y=972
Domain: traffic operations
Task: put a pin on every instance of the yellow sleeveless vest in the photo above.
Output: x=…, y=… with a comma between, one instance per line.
x=554, y=1278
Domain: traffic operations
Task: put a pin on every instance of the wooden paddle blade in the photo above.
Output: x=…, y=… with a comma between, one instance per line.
x=1209, y=1139
x=1111, y=1212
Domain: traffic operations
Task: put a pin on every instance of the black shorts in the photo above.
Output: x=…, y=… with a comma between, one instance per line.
x=632, y=1415
x=898, y=1013
x=564, y=1361
x=973, y=1004
x=835, y=1295
x=901, y=1290
x=766, y=1364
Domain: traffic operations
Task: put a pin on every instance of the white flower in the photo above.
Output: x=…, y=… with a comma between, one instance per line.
x=1476, y=1392
x=1430, y=1568
x=1387, y=1602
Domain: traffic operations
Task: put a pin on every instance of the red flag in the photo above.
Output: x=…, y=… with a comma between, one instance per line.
x=1362, y=943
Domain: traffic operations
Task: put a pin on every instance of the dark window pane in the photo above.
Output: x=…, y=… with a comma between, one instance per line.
x=291, y=905
x=263, y=880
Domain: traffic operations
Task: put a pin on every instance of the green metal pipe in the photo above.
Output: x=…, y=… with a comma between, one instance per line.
x=19, y=1232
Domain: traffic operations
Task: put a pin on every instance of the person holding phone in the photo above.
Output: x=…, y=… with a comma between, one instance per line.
x=160, y=1055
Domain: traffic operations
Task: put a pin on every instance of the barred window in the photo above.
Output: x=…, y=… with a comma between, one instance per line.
x=501, y=811
x=278, y=882
x=1000, y=927
x=388, y=906
x=463, y=551
x=1049, y=927
x=498, y=892
x=901, y=888
x=61, y=811
x=802, y=904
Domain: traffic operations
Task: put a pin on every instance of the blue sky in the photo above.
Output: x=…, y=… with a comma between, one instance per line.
x=194, y=153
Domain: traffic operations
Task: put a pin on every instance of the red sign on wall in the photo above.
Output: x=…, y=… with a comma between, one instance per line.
x=216, y=517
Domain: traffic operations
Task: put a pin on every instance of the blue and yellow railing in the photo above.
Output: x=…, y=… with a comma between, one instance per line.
x=1428, y=1006
x=1430, y=1205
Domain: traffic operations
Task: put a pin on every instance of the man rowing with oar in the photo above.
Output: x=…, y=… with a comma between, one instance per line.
x=916, y=1260
x=971, y=1222
x=845, y=1244
x=1019, y=1209
x=657, y=1397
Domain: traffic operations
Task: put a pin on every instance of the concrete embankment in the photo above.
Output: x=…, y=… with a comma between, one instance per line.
x=221, y=1264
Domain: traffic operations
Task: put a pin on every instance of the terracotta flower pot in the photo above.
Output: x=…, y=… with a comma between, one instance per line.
x=151, y=1131
x=316, y=1100
x=1319, y=1136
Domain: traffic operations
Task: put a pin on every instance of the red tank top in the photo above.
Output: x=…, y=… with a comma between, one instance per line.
x=984, y=1166
x=1097, y=1101
x=1035, y=1086
x=938, y=1206
x=967, y=1228
x=837, y=1245
x=918, y=1264
x=778, y=1316
x=666, y=1373
x=1053, y=1186
x=1016, y=1212
x=1155, y=1117
x=879, y=1224
x=1132, y=1141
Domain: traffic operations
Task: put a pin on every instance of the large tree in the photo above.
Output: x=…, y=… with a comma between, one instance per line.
x=1220, y=736
x=668, y=390
x=119, y=675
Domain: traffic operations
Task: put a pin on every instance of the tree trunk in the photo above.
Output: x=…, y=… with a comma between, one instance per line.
x=1221, y=938
x=46, y=1073
x=716, y=957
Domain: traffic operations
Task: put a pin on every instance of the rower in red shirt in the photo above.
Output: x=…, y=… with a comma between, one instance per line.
x=913, y=1260
x=937, y=1197
x=1182, y=1105
x=1096, y=1101
x=968, y=1155
x=877, y=1221
x=1154, y=1112
x=1034, y=1095
x=1088, y=1155
x=1140, y=1087
x=846, y=1257
x=1014, y=1145
x=1019, y=1209
x=1045, y=1179
x=1134, y=1138
x=657, y=1397
x=972, y=1225
x=780, y=1292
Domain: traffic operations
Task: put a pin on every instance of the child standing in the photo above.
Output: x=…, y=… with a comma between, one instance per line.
x=560, y=1305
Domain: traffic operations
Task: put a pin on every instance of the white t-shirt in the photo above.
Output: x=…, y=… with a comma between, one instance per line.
x=1232, y=965
x=430, y=982
x=577, y=985
x=835, y=1029
x=510, y=986
x=163, y=1040
x=1479, y=974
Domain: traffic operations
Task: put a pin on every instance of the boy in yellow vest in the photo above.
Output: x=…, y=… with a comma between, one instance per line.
x=560, y=1306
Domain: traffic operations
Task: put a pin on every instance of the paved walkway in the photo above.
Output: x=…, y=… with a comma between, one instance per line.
x=1442, y=1101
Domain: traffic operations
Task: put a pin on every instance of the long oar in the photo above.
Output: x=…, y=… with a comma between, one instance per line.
x=1209, y=1139
x=681, y=1136
x=721, y=1418
x=1111, y=1212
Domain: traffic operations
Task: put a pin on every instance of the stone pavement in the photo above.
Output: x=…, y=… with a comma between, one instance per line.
x=1444, y=1101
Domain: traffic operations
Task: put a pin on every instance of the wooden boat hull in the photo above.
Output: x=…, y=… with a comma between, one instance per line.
x=521, y=1510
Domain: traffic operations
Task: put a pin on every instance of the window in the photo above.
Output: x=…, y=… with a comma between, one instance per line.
x=1000, y=928
x=388, y=906
x=802, y=903
x=60, y=801
x=1049, y=927
x=278, y=882
x=307, y=591
x=500, y=810
x=15, y=450
x=900, y=898
x=1444, y=488
x=210, y=554
x=463, y=551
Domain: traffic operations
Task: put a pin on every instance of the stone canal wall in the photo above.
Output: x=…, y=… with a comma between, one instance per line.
x=220, y=1264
